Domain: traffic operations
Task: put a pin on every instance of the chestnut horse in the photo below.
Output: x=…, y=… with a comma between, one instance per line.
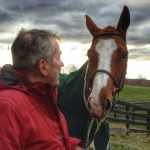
x=105, y=69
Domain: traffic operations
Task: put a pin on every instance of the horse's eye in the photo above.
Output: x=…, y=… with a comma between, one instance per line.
x=125, y=55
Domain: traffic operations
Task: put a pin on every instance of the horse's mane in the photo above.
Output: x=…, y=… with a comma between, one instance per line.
x=109, y=29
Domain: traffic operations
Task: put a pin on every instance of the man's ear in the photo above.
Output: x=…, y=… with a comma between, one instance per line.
x=42, y=67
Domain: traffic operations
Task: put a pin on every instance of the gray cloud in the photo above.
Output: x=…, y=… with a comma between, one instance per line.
x=67, y=17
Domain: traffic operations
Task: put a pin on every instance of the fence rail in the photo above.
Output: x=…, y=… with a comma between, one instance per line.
x=136, y=116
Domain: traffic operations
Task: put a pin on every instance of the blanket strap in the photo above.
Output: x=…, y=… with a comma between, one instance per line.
x=90, y=139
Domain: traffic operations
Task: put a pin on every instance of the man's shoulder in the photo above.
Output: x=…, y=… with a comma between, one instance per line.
x=13, y=98
x=11, y=93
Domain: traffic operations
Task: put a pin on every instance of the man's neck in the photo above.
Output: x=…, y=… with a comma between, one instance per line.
x=34, y=77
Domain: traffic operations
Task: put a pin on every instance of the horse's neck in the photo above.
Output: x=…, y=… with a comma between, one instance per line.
x=71, y=102
x=71, y=89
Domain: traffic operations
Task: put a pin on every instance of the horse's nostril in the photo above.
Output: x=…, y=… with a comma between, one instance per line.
x=107, y=105
x=88, y=103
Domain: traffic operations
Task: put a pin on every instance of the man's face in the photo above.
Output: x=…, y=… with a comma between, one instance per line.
x=54, y=67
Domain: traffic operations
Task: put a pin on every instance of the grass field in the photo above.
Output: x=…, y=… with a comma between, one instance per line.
x=135, y=93
x=132, y=141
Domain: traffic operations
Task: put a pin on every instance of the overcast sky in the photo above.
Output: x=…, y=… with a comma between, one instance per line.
x=67, y=18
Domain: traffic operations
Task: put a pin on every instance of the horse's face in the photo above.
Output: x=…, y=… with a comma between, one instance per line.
x=106, y=66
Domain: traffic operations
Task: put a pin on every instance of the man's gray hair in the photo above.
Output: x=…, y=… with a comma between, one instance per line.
x=30, y=46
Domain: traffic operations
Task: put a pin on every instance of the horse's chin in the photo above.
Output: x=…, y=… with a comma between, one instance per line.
x=96, y=110
x=100, y=117
x=96, y=115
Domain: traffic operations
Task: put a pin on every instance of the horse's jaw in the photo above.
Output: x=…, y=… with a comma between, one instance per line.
x=98, y=111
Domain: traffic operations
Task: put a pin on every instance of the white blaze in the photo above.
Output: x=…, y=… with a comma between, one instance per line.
x=104, y=48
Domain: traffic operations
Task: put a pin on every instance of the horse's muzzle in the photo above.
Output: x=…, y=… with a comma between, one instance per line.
x=97, y=110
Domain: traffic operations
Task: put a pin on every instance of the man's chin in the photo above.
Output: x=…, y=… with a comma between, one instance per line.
x=53, y=84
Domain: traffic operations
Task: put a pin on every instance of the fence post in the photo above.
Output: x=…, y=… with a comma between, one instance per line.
x=133, y=110
x=127, y=120
x=148, y=123
x=115, y=114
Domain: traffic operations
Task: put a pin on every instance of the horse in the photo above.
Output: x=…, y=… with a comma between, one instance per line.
x=86, y=96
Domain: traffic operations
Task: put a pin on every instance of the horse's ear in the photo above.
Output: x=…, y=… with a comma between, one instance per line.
x=124, y=21
x=92, y=27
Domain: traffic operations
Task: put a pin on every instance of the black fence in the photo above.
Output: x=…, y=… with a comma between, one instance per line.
x=136, y=116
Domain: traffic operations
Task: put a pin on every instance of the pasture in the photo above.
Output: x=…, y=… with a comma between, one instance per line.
x=130, y=142
x=135, y=94
x=134, y=141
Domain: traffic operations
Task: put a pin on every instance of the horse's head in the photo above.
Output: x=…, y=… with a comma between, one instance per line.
x=107, y=65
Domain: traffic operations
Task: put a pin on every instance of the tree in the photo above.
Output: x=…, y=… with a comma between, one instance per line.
x=140, y=76
x=70, y=68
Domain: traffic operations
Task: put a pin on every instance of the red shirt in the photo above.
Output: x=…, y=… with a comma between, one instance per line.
x=31, y=120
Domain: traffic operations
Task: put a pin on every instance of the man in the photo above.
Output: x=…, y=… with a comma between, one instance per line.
x=29, y=116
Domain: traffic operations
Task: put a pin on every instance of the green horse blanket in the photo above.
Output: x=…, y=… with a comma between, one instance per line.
x=71, y=103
